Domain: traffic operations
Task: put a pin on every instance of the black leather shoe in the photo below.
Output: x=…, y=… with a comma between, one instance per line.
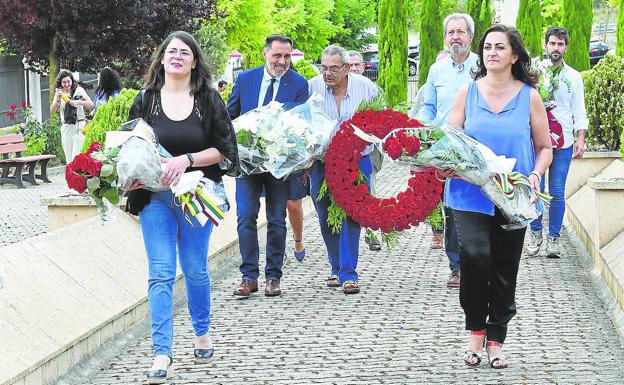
x=160, y=376
x=203, y=355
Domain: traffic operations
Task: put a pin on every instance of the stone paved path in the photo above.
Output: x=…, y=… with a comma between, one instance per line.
x=405, y=327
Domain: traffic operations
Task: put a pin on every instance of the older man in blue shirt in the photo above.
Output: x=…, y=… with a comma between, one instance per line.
x=342, y=93
x=444, y=80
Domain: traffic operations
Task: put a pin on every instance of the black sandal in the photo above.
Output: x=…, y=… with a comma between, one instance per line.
x=495, y=359
x=473, y=358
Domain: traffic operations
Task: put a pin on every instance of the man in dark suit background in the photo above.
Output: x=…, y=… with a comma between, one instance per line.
x=254, y=88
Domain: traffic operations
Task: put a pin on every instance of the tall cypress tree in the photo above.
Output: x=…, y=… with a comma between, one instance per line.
x=619, y=48
x=392, y=17
x=577, y=19
x=431, y=37
x=530, y=24
x=483, y=15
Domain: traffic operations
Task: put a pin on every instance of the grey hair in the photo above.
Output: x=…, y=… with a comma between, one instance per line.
x=463, y=16
x=356, y=54
x=337, y=50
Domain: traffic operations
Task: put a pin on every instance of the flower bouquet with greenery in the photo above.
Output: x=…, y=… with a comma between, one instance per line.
x=279, y=141
x=94, y=171
x=548, y=84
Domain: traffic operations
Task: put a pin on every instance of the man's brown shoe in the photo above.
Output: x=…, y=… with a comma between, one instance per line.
x=454, y=279
x=437, y=240
x=272, y=288
x=246, y=288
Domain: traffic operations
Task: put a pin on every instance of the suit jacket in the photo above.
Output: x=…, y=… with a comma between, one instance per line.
x=293, y=90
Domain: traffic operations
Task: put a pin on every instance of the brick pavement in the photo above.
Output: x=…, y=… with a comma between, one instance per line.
x=21, y=214
x=405, y=327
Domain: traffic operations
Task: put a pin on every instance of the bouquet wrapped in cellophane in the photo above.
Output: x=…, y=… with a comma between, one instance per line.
x=139, y=161
x=279, y=141
x=449, y=148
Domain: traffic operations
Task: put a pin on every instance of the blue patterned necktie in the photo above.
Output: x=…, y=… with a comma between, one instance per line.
x=269, y=93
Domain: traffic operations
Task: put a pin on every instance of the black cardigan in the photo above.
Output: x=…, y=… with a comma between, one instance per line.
x=218, y=131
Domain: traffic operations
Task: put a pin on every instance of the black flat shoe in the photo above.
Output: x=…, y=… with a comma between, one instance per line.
x=160, y=376
x=203, y=355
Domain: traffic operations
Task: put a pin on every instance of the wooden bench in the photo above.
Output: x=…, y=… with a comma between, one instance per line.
x=11, y=148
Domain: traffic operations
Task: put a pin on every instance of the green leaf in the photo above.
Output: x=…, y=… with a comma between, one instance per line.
x=111, y=194
x=107, y=170
x=93, y=183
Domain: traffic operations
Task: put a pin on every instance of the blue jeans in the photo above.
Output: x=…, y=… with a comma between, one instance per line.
x=248, y=189
x=164, y=230
x=557, y=175
x=343, y=248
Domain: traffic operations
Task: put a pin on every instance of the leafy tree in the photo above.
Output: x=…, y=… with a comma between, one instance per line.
x=247, y=24
x=529, y=24
x=212, y=39
x=309, y=26
x=483, y=15
x=392, y=78
x=447, y=7
x=552, y=13
x=431, y=37
x=87, y=35
x=619, y=48
x=352, y=18
x=577, y=19
x=306, y=69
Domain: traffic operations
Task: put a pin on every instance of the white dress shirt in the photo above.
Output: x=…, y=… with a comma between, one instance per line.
x=570, y=104
x=264, y=86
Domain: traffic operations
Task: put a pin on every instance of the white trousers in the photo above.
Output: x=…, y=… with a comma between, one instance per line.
x=72, y=139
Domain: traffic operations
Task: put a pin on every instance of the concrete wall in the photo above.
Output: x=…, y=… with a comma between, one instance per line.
x=69, y=291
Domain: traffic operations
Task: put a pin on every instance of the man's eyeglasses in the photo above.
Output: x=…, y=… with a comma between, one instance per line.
x=184, y=54
x=332, y=69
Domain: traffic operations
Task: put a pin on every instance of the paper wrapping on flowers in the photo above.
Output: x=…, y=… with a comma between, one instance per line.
x=139, y=157
x=449, y=148
x=280, y=141
x=201, y=198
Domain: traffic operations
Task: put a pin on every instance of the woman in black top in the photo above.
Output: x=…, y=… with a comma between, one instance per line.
x=191, y=122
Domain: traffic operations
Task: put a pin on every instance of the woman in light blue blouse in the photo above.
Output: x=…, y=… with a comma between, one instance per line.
x=502, y=110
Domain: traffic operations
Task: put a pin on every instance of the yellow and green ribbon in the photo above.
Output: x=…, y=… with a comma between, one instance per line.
x=196, y=204
x=506, y=183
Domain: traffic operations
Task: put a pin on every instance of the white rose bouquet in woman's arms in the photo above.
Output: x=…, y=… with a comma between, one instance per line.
x=279, y=141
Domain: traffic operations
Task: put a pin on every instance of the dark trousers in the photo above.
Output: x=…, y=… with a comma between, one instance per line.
x=248, y=189
x=489, y=257
x=450, y=240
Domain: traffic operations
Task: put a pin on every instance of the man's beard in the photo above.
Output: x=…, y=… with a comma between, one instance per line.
x=458, y=49
x=556, y=59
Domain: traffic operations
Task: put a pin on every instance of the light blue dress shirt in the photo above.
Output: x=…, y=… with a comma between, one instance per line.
x=444, y=80
x=264, y=86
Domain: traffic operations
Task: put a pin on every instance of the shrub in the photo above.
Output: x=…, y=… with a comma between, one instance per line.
x=306, y=69
x=44, y=138
x=604, y=100
x=109, y=117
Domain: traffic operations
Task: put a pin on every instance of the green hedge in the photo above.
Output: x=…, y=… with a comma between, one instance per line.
x=306, y=69
x=109, y=117
x=604, y=100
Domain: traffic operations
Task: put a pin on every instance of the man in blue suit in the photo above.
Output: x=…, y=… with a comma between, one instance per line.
x=254, y=88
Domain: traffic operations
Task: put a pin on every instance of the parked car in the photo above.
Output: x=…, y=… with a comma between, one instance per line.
x=413, y=51
x=597, y=50
x=371, y=64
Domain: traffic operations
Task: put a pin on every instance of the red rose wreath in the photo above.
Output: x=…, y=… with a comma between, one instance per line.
x=344, y=181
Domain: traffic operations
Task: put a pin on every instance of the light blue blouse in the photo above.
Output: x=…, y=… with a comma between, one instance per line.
x=506, y=133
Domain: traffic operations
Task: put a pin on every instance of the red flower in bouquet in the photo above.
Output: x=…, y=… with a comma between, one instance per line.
x=94, y=170
x=409, y=207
